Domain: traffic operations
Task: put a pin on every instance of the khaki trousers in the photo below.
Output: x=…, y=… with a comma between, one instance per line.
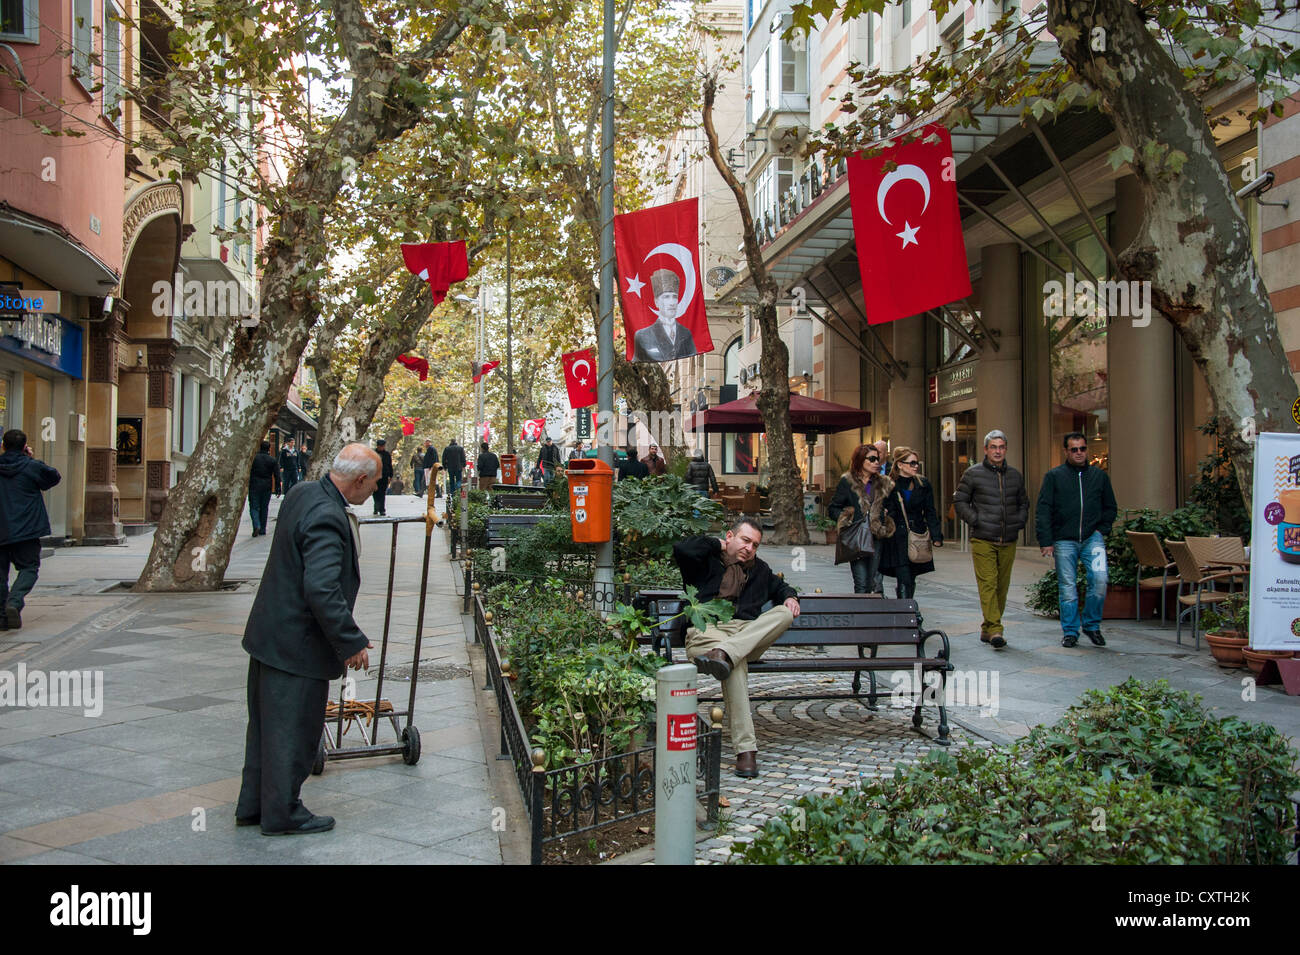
x=993, y=564
x=743, y=641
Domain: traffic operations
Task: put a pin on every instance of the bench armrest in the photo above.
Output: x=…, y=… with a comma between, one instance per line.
x=947, y=647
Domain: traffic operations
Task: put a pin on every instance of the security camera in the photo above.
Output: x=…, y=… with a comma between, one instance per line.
x=108, y=304
x=1260, y=185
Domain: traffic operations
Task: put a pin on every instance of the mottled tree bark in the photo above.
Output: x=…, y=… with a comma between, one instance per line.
x=191, y=548
x=1193, y=245
x=774, y=358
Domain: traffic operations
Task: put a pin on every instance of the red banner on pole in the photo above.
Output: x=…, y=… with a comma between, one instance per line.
x=580, y=377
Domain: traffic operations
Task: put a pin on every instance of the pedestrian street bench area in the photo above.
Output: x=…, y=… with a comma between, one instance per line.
x=867, y=622
x=517, y=496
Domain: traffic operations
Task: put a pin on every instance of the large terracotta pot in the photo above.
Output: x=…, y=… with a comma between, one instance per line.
x=1256, y=659
x=1226, y=647
x=1119, y=604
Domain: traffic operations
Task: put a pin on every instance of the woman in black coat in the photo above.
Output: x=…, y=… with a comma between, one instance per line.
x=862, y=493
x=913, y=494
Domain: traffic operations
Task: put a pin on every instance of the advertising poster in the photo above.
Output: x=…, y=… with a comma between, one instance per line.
x=1275, y=544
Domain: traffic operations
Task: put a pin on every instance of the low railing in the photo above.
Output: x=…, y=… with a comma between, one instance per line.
x=601, y=599
x=585, y=796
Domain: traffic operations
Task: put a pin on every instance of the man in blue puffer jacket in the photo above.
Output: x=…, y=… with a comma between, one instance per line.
x=23, y=522
x=1076, y=508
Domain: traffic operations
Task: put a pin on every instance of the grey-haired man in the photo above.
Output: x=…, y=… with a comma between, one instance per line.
x=991, y=498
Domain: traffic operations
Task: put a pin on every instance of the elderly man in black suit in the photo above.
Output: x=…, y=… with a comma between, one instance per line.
x=667, y=338
x=300, y=635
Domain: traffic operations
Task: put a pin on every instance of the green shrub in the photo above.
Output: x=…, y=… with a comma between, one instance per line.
x=1138, y=773
x=1217, y=488
x=653, y=514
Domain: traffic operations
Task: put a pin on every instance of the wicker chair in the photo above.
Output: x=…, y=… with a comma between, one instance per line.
x=1203, y=580
x=1219, y=552
x=1151, y=554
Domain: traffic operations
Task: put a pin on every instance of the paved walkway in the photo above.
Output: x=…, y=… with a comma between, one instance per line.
x=153, y=778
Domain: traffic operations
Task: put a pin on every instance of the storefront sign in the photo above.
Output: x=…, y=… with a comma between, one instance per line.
x=584, y=424
x=1275, y=544
x=47, y=339
x=949, y=384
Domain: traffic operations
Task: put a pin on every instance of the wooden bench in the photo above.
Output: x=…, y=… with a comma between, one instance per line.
x=866, y=622
x=517, y=496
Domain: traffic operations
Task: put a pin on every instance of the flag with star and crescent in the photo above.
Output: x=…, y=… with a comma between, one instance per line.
x=658, y=253
x=907, y=228
x=580, y=377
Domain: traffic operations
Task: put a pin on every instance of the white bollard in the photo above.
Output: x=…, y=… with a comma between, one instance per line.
x=676, y=699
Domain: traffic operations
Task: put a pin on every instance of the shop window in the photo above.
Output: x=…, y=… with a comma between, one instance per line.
x=112, y=62
x=740, y=453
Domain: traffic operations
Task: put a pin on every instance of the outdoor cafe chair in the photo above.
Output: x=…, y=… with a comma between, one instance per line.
x=1201, y=580
x=1219, y=552
x=1146, y=546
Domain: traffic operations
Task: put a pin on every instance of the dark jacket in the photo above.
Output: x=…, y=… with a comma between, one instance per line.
x=488, y=463
x=453, y=459
x=630, y=467
x=430, y=457
x=700, y=473
x=549, y=457
x=22, y=509
x=385, y=463
x=849, y=493
x=263, y=472
x=289, y=465
x=921, y=516
x=301, y=621
x=700, y=561
x=1072, y=503
x=993, y=502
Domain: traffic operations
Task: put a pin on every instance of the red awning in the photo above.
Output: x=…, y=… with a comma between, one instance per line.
x=807, y=416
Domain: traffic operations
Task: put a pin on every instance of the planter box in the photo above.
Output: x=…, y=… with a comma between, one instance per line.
x=1119, y=604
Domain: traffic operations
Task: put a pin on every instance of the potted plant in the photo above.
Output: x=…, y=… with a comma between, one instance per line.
x=823, y=523
x=1226, y=626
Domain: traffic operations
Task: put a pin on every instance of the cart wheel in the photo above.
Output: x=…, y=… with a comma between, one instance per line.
x=318, y=764
x=410, y=746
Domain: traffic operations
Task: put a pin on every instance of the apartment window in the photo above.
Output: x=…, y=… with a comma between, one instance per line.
x=906, y=11
x=755, y=7
x=953, y=38
x=112, y=60
x=155, y=47
x=787, y=67
x=871, y=39
x=83, y=39
x=777, y=176
x=20, y=21
x=1010, y=6
x=758, y=88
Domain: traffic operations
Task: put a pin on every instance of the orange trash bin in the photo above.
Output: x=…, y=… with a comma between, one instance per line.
x=509, y=469
x=591, y=500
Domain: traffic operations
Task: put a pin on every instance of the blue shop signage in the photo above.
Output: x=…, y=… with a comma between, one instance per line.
x=46, y=339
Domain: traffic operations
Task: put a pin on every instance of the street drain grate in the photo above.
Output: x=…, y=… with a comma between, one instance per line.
x=429, y=671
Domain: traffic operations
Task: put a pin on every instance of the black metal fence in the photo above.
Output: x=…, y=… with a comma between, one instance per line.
x=585, y=796
x=596, y=597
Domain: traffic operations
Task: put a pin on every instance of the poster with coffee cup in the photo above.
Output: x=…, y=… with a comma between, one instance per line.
x=1275, y=544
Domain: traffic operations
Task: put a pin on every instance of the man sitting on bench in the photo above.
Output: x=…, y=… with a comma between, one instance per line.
x=730, y=570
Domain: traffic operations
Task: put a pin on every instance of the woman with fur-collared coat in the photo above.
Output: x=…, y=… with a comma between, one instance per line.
x=863, y=490
x=912, y=496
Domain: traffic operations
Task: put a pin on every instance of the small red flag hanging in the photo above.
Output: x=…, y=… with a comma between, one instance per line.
x=481, y=370
x=438, y=263
x=580, y=377
x=923, y=266
x=417, y=366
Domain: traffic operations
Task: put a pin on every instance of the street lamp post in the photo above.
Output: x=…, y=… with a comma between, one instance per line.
x=478, y=356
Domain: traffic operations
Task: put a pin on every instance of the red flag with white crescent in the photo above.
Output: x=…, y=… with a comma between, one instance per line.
x=479, y=370
x=658, y=251
x=580, y=377
x=908, y=228
x=408, y=424
x=438, y=263
x=532, y=429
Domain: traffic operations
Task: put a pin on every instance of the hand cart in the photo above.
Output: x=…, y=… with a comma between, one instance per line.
x=369, y=713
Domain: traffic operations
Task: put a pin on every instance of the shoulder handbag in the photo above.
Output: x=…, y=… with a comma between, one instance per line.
x=854, y=541
x=919, y=550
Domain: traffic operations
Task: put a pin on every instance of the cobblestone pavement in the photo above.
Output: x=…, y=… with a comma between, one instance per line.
x=818, y=746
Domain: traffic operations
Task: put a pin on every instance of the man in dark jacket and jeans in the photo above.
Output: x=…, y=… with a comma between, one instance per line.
x=991, y=498
x=261, y=478
x=1076, y=508
x=730, y=570
x=23, y=522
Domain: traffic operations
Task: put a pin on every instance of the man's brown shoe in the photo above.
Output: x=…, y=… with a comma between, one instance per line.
x=747, y=764
x=715, y=663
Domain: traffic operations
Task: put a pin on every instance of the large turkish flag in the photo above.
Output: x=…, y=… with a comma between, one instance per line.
x=580, y=377
x=438, y=263
x=908, y=228
x=658, y=252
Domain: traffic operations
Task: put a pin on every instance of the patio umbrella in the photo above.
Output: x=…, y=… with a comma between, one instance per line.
x=807, y=416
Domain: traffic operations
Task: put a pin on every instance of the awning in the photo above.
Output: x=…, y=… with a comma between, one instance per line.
x=807, y=416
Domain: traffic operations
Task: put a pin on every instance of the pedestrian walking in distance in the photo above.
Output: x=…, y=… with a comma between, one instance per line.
x=487, y=466
x=731, y=570
x=991, y=499
x=417, y=469
x=453, y=463
x=23, y=522
x=261, y=478
x=699, y=474
x=300, y=635
x=430, y=459
x=655, y=463
x=288, y=466
x=1076, y=508
x=861, y=494
x=385, y=475
x=911, y=507
x=549, y=459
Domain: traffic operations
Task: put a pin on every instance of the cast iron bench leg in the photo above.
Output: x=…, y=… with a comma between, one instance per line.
x=857, y=677
x=871, y=676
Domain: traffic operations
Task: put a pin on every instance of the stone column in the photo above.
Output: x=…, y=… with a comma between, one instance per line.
x=158, y=427
x=907, y=398
x=102, y=519
x=1140, y=364
x=999, y=383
